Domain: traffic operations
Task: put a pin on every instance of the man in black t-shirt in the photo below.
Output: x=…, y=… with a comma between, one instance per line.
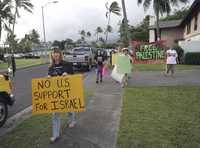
x=99, y=58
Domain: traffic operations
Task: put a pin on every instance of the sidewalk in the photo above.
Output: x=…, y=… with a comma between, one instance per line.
x=97, y=127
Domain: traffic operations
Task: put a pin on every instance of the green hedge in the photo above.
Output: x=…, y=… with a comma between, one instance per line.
x=192, y=58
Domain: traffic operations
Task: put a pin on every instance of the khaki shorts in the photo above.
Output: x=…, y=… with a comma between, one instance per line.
x=170, y=68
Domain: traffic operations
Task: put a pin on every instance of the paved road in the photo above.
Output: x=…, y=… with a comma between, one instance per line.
x=22, y=87
x=153, y=78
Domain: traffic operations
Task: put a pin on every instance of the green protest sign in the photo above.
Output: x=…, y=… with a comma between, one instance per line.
x=148, y=53
x=123, y=64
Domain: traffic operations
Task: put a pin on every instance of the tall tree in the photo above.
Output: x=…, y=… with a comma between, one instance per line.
x=6, y=16
x=98, y=31
x=160, y=7
x=69, y=43
x=177, y=14
x=25, y=44
x=141, y=31
x=109, y=29
x=112, y=9
x=124, y=40
x=83, y=34
x=89, y=34
x=126, y=25
x=14, y=42
x=26, y=5
x=35, y=37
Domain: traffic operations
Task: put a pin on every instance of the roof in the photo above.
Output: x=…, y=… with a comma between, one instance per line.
x=167, y=24
x=195, y=6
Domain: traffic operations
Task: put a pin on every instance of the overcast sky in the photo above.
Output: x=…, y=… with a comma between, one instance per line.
x=67, y=17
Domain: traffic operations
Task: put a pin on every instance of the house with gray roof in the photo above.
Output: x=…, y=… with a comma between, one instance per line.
x=186, y=32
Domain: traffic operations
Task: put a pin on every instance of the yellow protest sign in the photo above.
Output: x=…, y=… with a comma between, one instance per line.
x=58, y=94
x=114, y=58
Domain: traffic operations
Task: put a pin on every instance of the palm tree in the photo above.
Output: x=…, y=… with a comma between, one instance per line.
x=98, y=31
x=127, y=38
x=89, y=34
x=83, y=34
x=109, y=29
x=101, y=40
x=6, y=16
x=26, y=5
x=112, y=9
x=160, y=7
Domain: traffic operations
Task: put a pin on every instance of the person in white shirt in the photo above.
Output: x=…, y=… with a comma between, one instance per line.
x=171, y=61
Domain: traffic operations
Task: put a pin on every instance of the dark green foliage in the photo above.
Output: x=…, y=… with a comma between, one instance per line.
x=178, y=14
x=180, y=53
x=192, y=58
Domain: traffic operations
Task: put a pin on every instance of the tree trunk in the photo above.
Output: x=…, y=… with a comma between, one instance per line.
x=15, y=16
x=0, y=28
x=126, y=22
x=157, y=26
x=107, y=27
x=97, y=36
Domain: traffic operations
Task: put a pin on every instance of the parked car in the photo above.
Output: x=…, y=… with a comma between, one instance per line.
x=31, y=56
x=80, y=57
x=19, y=55
x=6, y=96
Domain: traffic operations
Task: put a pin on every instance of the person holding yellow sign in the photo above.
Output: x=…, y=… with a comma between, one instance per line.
x=59, y=67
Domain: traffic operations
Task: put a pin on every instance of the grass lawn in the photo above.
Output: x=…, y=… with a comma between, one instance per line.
x=160, y=117
x=23, y=63
x=160, y=67
x=33, y=132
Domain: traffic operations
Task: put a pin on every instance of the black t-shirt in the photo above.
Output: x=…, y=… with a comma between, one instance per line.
x=59, y=69
x=99, y=57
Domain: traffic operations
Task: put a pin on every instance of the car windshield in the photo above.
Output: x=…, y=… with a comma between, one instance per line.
x=81, y=50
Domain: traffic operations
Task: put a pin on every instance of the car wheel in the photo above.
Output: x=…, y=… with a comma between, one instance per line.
x=3, y=113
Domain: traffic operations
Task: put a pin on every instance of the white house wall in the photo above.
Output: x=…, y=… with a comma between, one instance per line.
x=190, y=46
x=194, y=34
x=152, y=37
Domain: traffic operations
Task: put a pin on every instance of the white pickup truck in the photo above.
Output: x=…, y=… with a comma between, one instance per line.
x=80, y=57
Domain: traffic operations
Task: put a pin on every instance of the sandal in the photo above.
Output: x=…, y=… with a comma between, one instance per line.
x=54, y=139
x=72, y=124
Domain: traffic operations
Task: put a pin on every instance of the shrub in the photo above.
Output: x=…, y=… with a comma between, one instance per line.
x=180, y=53
x=192, y=58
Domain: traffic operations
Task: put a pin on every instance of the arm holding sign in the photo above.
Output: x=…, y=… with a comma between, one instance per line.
x=68, y=69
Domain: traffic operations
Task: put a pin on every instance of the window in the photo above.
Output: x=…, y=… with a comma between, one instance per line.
x=188, y=28
x=195, y=22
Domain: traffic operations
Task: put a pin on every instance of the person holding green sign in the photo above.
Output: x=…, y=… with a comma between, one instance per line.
x=124, y=65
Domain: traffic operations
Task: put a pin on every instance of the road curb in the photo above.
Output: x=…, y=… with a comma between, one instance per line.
x=15, y=120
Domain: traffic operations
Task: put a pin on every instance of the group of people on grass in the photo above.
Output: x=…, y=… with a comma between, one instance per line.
x=59, y=67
